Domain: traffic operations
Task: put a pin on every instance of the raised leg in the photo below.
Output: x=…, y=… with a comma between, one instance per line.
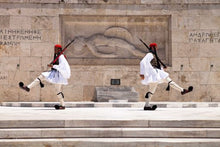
x=177, y=87
x=36, y=81
x=32, y=84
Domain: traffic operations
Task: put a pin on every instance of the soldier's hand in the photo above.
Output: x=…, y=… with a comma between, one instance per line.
x=165, y=68
x=50, y=65
x=142, y=77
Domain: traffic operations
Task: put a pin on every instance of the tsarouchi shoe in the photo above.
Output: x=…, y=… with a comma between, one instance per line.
x=59, y=107
x=187, y=90
x=154, y=107
x=21, y=85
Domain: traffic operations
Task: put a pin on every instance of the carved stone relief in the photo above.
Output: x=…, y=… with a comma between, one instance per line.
x=112, y=40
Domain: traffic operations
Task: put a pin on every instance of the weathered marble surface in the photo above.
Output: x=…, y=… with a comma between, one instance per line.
x=108, y=93
x=187, y=33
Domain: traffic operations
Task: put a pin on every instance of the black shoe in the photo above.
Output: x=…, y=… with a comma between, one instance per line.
x=21, y=85
x=147, y=108
x=154, y=107
x=59, y=107
x=187, y=91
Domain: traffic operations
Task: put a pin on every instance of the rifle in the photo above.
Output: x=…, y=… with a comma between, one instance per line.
x=144, y=43
x=62, y=52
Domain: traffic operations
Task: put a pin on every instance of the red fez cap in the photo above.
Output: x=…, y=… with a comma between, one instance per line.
x=153, y=45
x=58, y=46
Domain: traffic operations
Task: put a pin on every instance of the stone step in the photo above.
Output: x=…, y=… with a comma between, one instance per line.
x=30, y=133
x=109, y=127
x=111, y=142
x=114, y=104
x=87, y=123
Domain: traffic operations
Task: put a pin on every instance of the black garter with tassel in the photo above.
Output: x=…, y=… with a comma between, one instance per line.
x=41, y=84
x=168, y=87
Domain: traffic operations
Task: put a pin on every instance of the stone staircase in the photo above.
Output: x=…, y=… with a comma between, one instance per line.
x=88, y=124
x=109, y=133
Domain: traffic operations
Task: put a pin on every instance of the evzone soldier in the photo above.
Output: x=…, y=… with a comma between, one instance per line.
x=58, y=75
x=152, y=73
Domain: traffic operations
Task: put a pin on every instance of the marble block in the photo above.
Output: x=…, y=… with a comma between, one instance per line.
x=109, y=93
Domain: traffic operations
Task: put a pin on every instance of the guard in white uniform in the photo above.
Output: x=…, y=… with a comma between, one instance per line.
x=58, y=75
x=152, y=73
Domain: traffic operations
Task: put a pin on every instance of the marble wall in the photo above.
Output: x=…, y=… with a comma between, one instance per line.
x=107, y=45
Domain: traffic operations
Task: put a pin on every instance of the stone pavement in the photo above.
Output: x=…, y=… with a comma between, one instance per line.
x=109, y=127
x=49, y=113
x=114, y=103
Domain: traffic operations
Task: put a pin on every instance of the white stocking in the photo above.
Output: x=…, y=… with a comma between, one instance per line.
x=60, y=94
x=36, y=81
x=152, y=89
x=173, y=84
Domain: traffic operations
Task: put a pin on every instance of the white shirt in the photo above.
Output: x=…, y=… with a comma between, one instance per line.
x=61, y=74
x=151, y=74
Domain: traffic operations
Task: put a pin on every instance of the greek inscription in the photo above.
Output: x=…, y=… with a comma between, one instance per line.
x=3, y=76
x=13, y=37
x=204, y=37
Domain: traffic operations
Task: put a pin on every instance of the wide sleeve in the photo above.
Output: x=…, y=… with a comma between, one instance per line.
x=149, y=70
x=141, y=68
x=63, y=67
